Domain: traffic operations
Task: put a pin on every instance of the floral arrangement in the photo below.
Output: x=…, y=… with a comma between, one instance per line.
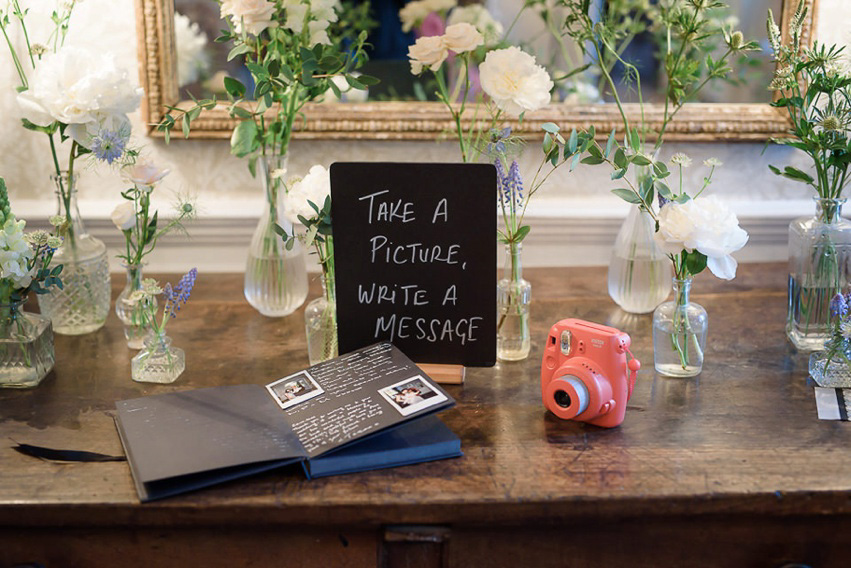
x=75, y=93
x=134, y=218
x=814, y=86
x=25, y=257
x=175, y=297
x=308, y=202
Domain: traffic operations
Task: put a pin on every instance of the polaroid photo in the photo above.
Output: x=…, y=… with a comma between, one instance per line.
x=294, y=389
x=412, y=395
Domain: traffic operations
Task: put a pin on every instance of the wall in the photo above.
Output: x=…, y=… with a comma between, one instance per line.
x=574, y=217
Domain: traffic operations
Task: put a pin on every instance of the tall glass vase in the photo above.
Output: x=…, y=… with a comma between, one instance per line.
x=275, y=278
x=819, y=265
x=26, y=346
x=320, y=322
x=639, y=272
x=81, y=306
x=513, y=297
x=126, y=308
x=679, y=334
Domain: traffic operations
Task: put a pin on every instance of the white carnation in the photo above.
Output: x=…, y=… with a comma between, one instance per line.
x=706, y=225
x=81, y=88
x=250, y=16
x=190, y=42
x=478, y=16
x=429, y=51
x=462, y=37
x=314, y=187
x=514, y=81
x=124, y=216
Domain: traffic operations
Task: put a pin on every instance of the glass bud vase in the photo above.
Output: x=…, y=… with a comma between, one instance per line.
x=513, y=296
x=639, y=272
x=831, y=370
x=81, y=306
x=26, y=347
x=320, y=323
x=679, y=334
x=819, y=259
x=125, y=308
x=158, y=361
x=275, y=278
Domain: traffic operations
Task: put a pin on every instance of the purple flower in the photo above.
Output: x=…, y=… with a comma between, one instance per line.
x=177, y=296
x=108, y=146
x=497, y=140
x=663, y=201
x=510, y=184
x=839, y=305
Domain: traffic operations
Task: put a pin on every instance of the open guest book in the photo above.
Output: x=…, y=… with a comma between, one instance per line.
x=368, y=409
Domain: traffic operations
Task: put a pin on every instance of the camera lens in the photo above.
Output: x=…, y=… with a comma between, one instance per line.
x=562, y=399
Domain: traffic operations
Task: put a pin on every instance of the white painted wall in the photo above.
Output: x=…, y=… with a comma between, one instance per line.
x=574, y=217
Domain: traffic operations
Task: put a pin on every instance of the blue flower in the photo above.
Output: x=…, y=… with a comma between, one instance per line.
x=510, y=184
x=177, y=296
x=839, y=305
x=108, y=146
x=497, y=140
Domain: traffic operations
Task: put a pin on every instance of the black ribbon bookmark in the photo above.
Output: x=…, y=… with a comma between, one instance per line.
x=53, y=454
x=840, y=401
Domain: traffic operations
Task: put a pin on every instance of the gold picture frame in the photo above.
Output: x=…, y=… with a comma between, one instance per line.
x=696, y=122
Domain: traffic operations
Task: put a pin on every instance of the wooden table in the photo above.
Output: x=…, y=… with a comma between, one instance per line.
x=728, y=469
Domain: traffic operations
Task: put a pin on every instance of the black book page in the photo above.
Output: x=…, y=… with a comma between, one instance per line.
x=355, y=395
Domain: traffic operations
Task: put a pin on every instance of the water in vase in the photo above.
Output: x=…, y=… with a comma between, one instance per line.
x=81, y=306
x=639, y=284
x=282, y=288
x=808, y=321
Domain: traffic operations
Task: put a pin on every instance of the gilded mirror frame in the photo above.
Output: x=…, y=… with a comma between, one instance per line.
x=696, y=122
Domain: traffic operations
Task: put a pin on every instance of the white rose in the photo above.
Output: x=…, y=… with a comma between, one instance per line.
x=124, y=216
x=81, y=87
x=514, y=81
x=314, y=187
x=477, y=15
x=705, y=225
x=429, y=51
x=462, y=37
x=412, y=14
x=251, y=16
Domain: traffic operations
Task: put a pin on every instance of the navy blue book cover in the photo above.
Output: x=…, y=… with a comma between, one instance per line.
x=364, y=410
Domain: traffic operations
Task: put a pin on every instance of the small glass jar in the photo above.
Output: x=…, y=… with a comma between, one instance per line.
x=26, y=346
x=320, y=323
x=127, y=310
x=679, y=334
x=832, y=369
x=158, y=361
x=513, y=297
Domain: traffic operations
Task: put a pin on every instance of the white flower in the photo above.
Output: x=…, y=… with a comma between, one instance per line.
x=462, y=37
x=429, y=51
x=412, y=14
x=314, y=187
x=318, y=33
x=296, y=13
x=15, y=254
x=251, y=16
x=713, y=163
x=477, y=15
x=681, y=159
x=82, y=88
x=440, y=5
x=325, y=10
x=124, y=216
x=706, y=225
x=514, y=81
x=145, y=174
x=190, y=42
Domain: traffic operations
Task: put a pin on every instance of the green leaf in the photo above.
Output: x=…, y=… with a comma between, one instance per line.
x=610, y=143
x=640, y=160
x=797, y=175
x=550, y=127
x=238, y=50
x=572, y=141
x=618, y=174
x=185, y=125
x=627, y=195
x=243, y=141
x=635, y=140
x=620, y=159
x=695, y=262
x=369, y=80
x=592, y=160
x=521, y=233
x=234, y=87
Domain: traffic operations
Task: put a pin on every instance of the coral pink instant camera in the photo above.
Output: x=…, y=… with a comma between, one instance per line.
x=585, y=374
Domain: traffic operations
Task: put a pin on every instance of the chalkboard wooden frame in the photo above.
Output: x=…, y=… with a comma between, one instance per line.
x=415, y=259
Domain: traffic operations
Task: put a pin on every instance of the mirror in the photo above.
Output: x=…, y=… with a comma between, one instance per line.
x=178, y=55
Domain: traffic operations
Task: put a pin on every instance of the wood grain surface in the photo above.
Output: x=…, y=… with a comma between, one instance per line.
x=741, y=441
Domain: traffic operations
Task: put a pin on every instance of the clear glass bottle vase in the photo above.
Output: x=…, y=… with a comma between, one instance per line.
x=513, y=297
x=832, y=368
x=26, y=346
x=127, y=309
x=819, y=264
x=320, y=322
x=81, y=306
x=679, y=333
x=275, y=278
x=158, y=361
x=639, y=274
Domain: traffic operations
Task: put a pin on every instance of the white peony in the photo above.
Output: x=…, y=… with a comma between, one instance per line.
x=477, y=15
x=250, y=16
x=81, y=88
x=429, y=51
x=706, y=225
x=15, y=254
x=190, y=42
x=314, y=187
x=514, y=81
x=462, y=37
x=124, y=216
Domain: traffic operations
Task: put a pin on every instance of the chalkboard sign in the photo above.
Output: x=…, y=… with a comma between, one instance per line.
x=415, y=259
